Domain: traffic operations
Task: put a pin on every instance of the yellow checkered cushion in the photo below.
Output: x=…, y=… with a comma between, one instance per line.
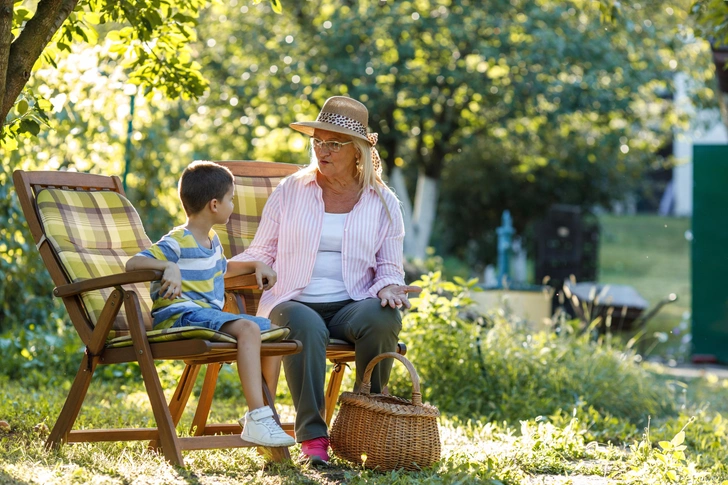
x=94, y=234
x=251, y=194
x=186, y=333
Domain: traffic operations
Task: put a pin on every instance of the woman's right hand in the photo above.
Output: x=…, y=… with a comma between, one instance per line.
x=265, y=276
x=396, y=295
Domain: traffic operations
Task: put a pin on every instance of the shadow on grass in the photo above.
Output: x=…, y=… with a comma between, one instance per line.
x=6, y=479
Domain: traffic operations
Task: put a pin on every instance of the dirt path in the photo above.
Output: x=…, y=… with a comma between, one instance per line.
x=692, y=371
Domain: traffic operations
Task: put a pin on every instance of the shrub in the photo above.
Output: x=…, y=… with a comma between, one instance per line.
x=495, y=371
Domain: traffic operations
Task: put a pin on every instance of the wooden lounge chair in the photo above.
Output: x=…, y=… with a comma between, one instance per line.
x=254, y=183
x=86, y=230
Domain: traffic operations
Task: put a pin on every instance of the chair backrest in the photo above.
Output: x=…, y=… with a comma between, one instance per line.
x=254, y=182
x=91, y=230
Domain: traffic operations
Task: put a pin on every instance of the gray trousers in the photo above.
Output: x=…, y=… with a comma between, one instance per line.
x=371, y=328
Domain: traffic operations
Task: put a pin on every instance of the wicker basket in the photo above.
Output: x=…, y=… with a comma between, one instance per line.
x=386, y=432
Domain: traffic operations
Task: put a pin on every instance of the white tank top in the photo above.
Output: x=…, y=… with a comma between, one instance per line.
x=327, y=280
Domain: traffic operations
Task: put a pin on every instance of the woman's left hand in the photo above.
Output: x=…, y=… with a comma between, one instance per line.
x=396, y=295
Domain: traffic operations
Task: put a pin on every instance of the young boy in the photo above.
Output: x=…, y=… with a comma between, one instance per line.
x=192, y=290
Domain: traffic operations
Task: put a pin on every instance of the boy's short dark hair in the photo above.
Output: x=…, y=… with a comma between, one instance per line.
x=201, y=182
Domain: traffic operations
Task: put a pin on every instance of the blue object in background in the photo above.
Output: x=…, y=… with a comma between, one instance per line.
x=505, y=237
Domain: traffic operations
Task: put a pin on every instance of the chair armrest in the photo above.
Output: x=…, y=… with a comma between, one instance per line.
x=240, y=282
x=108, y=282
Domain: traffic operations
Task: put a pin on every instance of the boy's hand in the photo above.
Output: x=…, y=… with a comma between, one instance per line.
x=171, y=282
x=265, y=276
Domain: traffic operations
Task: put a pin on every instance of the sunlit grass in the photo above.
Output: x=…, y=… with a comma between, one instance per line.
x=541, y=450
x=578, y=446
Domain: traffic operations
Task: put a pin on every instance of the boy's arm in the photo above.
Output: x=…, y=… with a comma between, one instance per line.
x=171, y=279
x=264, y=274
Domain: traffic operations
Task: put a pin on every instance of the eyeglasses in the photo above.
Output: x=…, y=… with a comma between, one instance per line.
x=332, y=146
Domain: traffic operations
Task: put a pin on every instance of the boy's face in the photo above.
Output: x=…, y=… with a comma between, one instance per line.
x=225, y=206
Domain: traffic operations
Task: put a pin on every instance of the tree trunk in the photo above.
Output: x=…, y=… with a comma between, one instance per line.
x=418, y=220
x=396, y=180
x=424, y=213
x=27, y=48
x=6, y=27
x=723, y=104
x=720, y=59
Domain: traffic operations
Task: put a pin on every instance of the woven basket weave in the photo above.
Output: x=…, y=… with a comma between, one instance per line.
x=386, y=432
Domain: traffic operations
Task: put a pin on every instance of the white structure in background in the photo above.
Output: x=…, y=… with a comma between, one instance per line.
x=679, y=193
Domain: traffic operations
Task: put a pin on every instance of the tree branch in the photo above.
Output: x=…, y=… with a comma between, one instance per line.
x=29, y=45
x=6, y=38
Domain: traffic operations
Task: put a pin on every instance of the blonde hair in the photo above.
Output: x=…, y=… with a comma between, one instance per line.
x=368, y=176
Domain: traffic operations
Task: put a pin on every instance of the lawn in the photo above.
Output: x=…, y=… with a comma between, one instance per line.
x=559, y=450
x=652, y=254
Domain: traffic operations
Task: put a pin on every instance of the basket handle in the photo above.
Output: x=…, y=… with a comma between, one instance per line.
x=366, y=383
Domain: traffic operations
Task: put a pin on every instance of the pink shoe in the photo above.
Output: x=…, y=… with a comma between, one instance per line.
x=315, y=451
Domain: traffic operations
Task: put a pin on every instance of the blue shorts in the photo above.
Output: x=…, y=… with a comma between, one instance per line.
x=214, y=319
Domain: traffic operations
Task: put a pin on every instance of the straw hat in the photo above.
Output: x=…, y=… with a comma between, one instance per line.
x=341, y=114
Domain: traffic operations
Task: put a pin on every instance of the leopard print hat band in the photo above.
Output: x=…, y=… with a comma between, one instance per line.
x=345, y=115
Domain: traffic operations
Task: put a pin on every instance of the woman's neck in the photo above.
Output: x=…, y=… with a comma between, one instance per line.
x=200, y=229
x=339, y=185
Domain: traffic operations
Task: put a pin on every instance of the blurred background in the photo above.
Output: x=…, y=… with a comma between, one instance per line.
x=571, y=132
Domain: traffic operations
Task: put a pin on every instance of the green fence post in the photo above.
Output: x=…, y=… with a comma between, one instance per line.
x=709, y=254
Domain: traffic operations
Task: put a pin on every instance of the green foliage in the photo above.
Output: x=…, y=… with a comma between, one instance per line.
x=88, y=133
x=705, y=433
x=596, y=426
x=151, y=40
x=25, y=287
x=667, y=463
x=39, y=355
x=488, y=368
x=711, y=17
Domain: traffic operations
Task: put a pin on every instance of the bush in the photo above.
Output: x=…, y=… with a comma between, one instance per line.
x=37, y=356
x=494, y=371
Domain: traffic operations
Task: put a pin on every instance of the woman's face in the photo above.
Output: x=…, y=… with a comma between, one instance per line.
x=335, y=164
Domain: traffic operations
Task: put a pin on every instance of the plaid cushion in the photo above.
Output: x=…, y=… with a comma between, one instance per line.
x=184, y=333
x=94, y=234
x=251, y=194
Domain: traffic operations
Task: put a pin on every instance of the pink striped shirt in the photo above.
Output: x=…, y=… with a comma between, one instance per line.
x=290, y=230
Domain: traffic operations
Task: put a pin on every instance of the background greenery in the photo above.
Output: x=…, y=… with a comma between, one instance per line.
x=652, y=254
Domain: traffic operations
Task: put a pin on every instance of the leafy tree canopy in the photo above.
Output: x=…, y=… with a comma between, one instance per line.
x=151, y=40
x=539, y=100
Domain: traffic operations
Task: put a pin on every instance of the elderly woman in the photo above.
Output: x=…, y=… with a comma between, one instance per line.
x=333, y=233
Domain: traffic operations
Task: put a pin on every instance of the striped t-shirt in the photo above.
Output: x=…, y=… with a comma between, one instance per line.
x=202, y=275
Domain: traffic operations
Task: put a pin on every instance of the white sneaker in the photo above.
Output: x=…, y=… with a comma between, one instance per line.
x=260, y=428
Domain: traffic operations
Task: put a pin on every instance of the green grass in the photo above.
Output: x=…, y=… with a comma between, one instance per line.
x=559, y=449
x=651, y=254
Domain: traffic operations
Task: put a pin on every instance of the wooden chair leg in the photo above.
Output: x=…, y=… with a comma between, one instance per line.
x=181, y=395
x=165, y=426
x=205, y=401
x=332, y=391
x=72, y=406
x=278, y=453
